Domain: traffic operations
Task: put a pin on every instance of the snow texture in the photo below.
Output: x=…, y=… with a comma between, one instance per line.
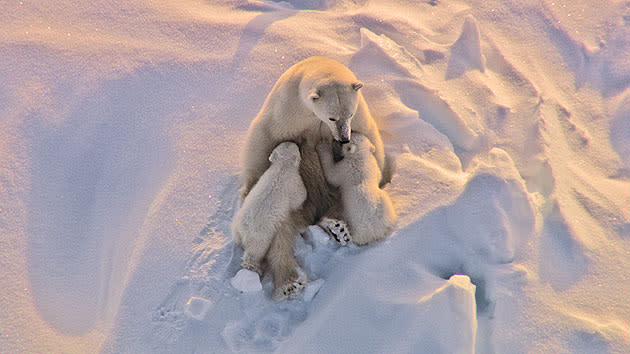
x=122, y=123
x=246, y=281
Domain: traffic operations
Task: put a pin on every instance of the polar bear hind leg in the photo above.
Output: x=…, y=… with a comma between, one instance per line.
x=292, y=288
x=281, y=261
x=252, y=263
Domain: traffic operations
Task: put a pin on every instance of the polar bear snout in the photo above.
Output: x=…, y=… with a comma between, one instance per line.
x=342, y=128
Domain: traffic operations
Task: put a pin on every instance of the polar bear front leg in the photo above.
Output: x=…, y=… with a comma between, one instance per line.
x=337, y=229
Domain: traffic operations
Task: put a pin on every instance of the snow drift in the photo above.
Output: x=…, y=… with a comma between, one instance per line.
x=121, y=129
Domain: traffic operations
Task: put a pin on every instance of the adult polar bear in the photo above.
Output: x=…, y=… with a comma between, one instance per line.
x=313, y=93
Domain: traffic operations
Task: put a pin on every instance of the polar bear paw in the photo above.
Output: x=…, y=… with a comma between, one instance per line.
x=248, y=263
x=290, y=289
x=337, y=229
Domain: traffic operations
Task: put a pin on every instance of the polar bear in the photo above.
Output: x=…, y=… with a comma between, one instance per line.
x=317, y=99
x=278, y=191
x=367, y=208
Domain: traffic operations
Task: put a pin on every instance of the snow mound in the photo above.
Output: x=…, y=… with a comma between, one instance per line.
x=246, y=281
x=380, y=56
x=466, y=51
x=453, y=307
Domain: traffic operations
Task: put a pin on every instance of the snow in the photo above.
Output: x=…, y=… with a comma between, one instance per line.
x=122, y=123
x=198, y=307
x=246, y=281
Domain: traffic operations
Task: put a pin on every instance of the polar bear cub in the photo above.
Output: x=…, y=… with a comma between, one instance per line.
x=368, y=210
x=279, y=191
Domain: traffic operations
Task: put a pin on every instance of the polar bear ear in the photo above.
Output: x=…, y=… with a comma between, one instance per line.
x=274, y=156
x=352, y=148
x=357, y=85
x=314, y=95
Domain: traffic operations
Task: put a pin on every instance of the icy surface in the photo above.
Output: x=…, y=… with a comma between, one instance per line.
x=122, y=124
x=246, y=281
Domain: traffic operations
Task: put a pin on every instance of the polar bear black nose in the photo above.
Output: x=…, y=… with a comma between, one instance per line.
x=344, y=141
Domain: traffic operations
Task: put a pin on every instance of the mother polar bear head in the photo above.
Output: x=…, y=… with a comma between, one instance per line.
x=333, y=98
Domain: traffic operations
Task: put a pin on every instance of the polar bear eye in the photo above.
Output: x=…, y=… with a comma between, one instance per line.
x=332, y=119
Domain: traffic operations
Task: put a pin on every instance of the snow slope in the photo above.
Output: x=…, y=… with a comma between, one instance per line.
x=121, y=128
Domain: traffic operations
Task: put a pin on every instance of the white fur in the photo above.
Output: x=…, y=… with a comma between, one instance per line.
x=298, y=109
x=279, y=191
x=303, y=100
x=367, y=208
